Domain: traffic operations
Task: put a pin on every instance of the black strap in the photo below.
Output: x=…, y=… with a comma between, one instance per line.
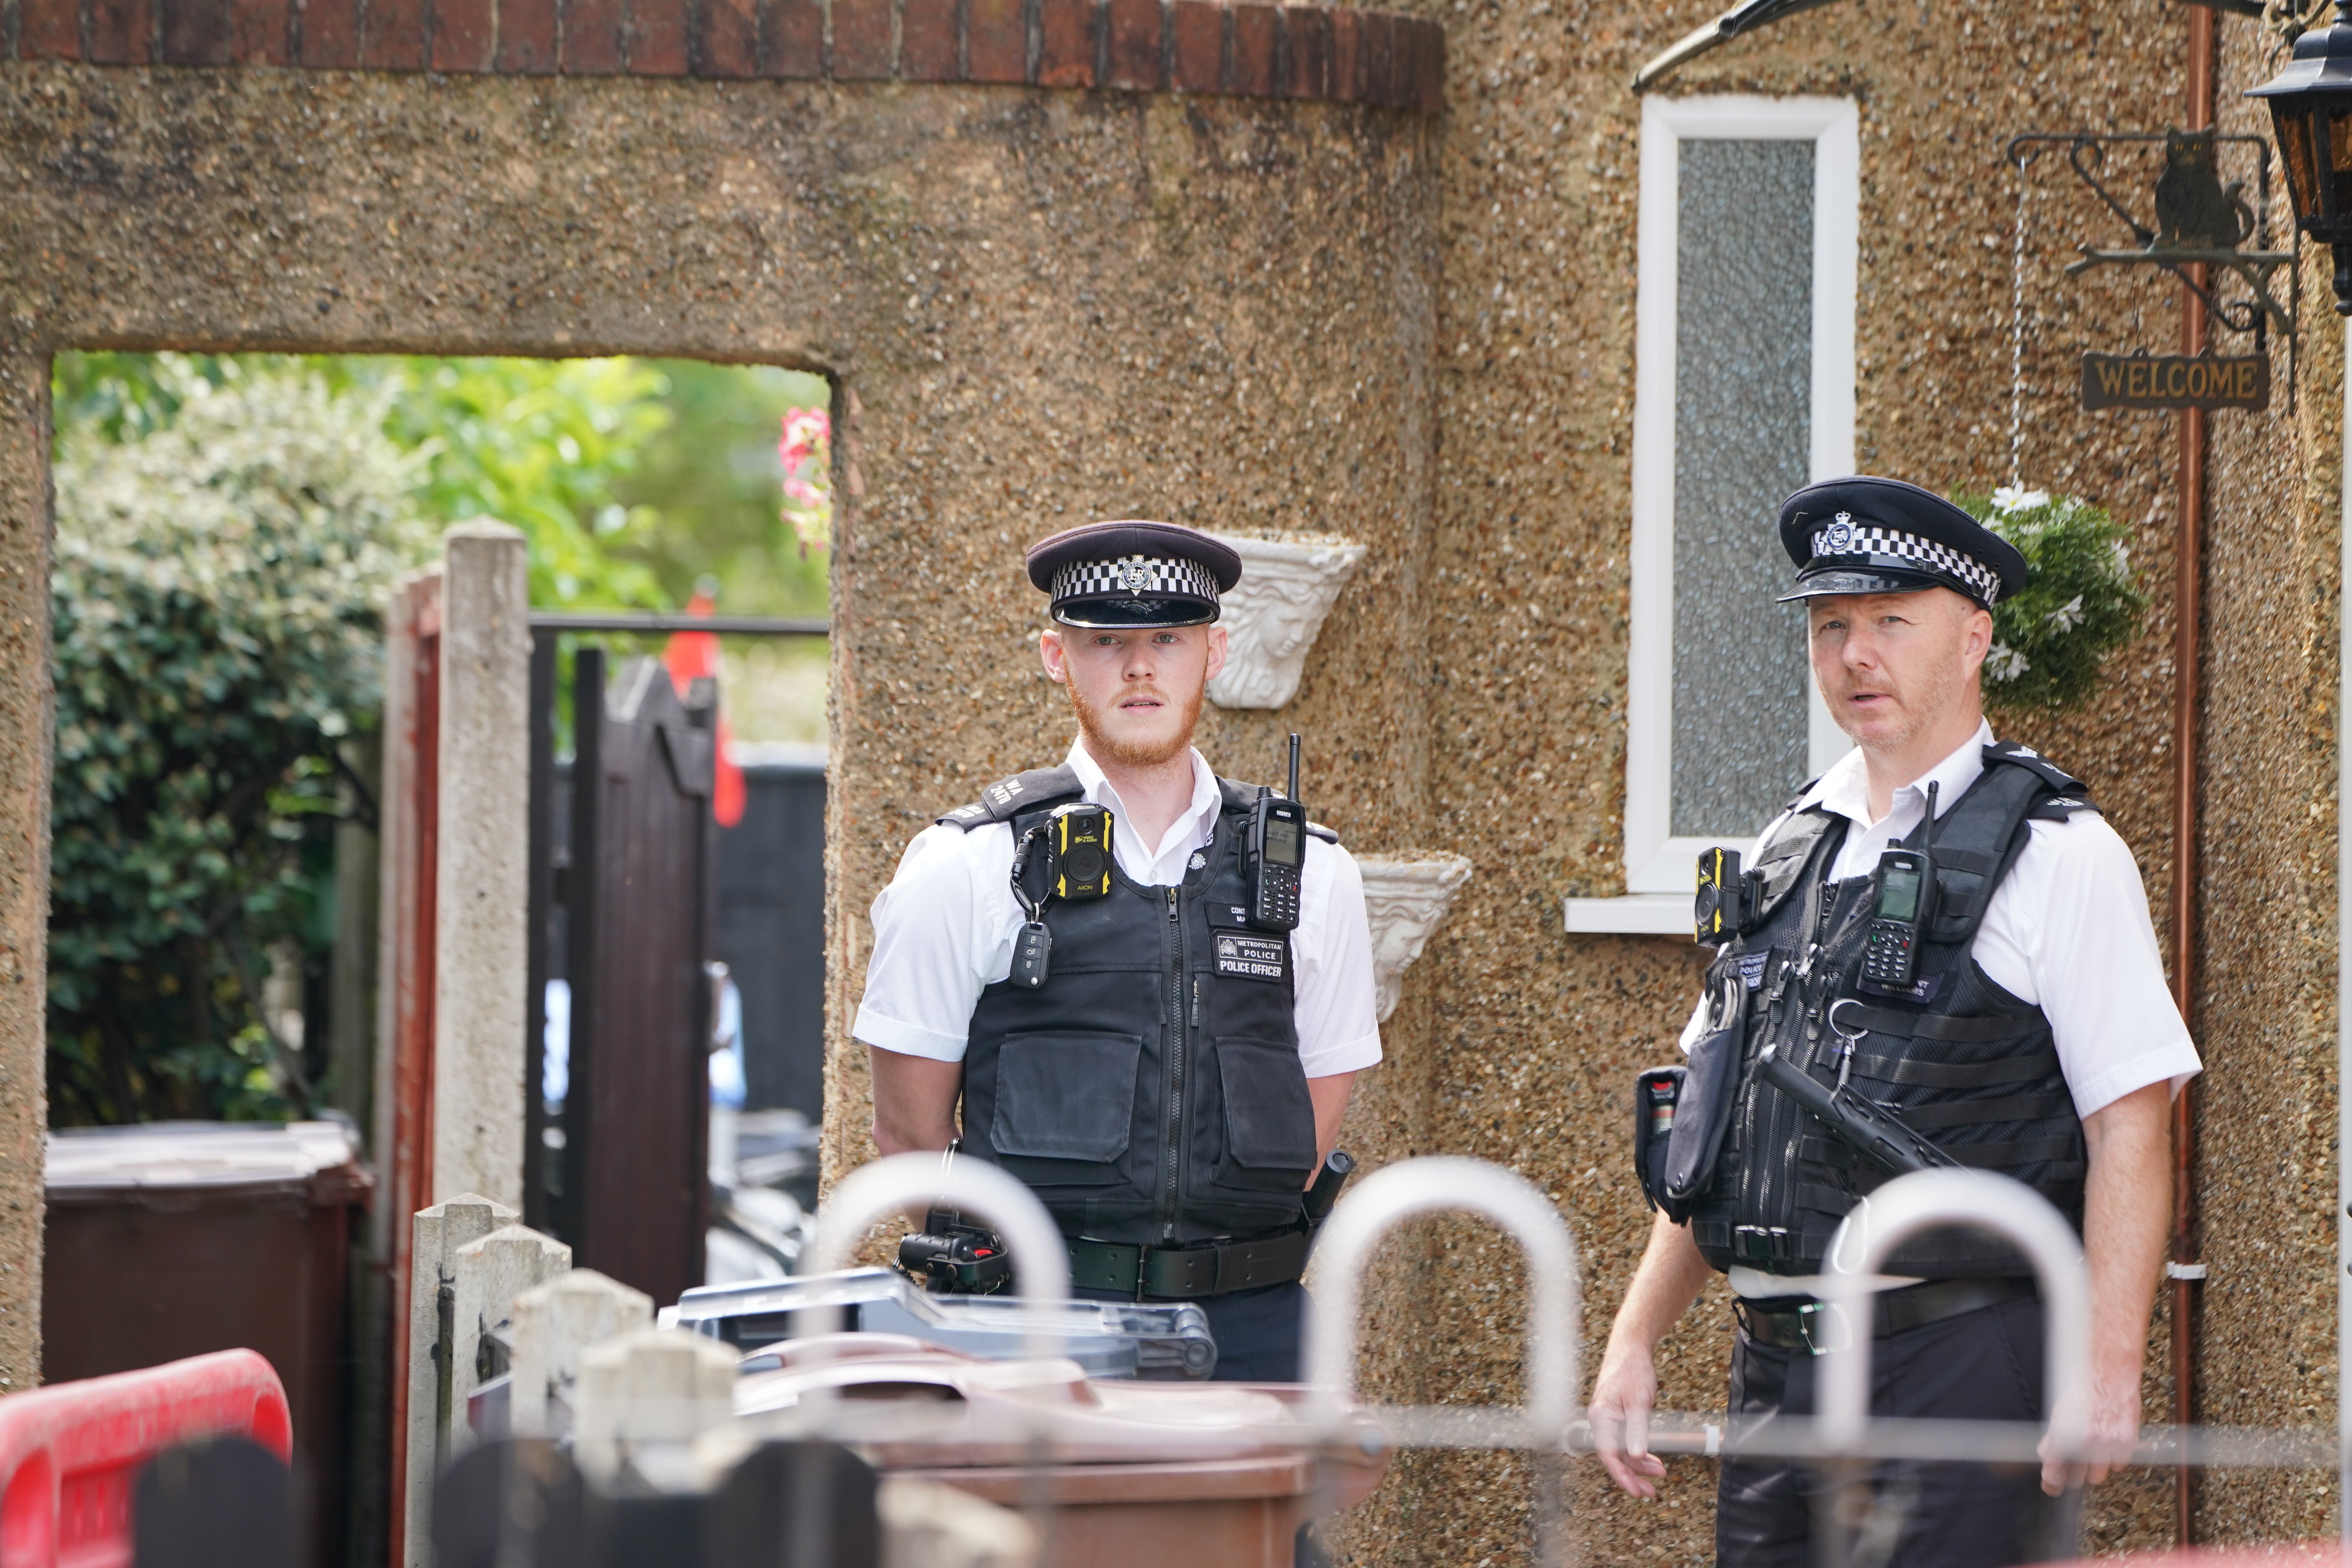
x=1803, y=1328
x=1975, y=1112
x=2054, y=1151
x=2061, y=1153
x=1988, y=825
x=1970, y=1028
x=1821, y=1199
x=1957, y=1075
x=1189, y=1273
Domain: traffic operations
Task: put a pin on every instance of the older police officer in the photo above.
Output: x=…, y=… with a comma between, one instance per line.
x=2033, y=1036
x=1170, y=1072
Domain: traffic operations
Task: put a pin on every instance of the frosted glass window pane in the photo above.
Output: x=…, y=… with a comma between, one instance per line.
x=1743, y=382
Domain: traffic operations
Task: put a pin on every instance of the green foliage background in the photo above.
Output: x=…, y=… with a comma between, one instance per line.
x=2083, y=603
x=228, y=530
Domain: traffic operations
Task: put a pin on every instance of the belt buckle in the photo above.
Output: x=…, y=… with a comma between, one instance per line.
x=1837, y=1331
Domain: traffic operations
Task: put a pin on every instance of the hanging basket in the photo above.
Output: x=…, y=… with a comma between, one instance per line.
x=2083, y=603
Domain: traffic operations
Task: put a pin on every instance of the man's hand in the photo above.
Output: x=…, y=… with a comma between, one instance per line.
x=2127, y=1211
x=1671, y=1277
x=1622, y=1397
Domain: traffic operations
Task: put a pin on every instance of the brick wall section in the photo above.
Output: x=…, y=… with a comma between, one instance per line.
x=1315, y=52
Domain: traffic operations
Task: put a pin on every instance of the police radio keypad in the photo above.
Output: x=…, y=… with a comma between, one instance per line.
x=1887, y=958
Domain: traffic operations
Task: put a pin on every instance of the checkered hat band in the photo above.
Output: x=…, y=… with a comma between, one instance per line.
x=1862, y=539
x=1135, y=577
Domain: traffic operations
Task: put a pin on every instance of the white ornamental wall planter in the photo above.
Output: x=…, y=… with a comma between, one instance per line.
x=1272, y=616
x=1406, y=899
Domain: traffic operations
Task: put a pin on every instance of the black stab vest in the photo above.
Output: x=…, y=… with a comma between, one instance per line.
x=1961, y=1060
x=1151, y=1091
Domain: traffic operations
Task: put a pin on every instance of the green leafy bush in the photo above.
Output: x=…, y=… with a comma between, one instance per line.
x=228, y=527
x=2083, y=603
x=224, y=550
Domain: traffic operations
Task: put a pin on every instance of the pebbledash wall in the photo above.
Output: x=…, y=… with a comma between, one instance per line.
x=1261, y=269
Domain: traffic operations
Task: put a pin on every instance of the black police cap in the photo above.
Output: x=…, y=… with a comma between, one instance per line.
x=1133, y=573
x=1866, y=535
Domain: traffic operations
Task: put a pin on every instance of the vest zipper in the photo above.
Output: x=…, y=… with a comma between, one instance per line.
x=1782, y=1123
x=1174, y=1136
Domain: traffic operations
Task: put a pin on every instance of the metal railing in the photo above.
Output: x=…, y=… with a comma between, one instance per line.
x=1047, y=1435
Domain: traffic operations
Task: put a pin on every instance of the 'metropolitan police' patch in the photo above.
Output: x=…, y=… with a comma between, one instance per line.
x=1254, y=957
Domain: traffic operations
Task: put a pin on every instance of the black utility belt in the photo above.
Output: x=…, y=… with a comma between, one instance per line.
x=1818, y=1327
x=1189, y=1273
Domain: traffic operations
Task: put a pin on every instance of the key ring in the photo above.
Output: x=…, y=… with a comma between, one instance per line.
x=1846, y=1056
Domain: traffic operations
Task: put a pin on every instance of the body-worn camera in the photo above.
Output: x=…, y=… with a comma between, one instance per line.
x=1077, y=849
x=1727, y=898
x=949, y=1257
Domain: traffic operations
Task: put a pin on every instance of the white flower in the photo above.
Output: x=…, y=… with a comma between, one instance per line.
x=2012, y=498
x=2004, y=664
x=2066, y=617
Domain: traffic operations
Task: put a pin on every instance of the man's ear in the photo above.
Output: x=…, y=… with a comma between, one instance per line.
x=1050, y=653
x=1217, y=650
x=1978, y=641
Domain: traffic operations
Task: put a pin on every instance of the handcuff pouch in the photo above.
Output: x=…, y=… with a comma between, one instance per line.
x=1710, y=1085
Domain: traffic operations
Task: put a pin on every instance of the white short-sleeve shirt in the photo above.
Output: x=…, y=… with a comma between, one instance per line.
x=2068, y=929
x=945, y=928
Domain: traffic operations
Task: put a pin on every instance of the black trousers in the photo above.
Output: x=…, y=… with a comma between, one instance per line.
x=1257, y=1332
x=1984, y=1365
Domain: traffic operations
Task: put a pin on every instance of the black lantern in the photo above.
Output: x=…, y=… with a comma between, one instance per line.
x=2311, y=107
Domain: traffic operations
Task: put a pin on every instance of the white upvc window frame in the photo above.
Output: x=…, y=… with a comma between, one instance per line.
x=1658, y=865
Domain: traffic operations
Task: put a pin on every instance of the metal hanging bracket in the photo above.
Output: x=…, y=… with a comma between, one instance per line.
x=2201, y=226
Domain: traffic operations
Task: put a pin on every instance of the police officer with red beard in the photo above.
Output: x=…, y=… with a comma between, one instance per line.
x=1177, y=1074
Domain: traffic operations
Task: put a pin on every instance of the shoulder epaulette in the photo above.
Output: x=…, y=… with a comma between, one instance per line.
x=2068, y=795
x=2059, y=778
x=1007, y=798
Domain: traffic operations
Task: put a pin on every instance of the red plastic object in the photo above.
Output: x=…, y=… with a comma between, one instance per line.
x=69, y=1452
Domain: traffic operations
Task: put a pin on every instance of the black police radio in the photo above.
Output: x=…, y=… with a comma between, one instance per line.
x=1274, y=854
x=1903, y=899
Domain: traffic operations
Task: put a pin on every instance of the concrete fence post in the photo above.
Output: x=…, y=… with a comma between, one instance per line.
x=488, y=1276
x=553, y=1323
x=927, y=1525
x=439, y=1233
x=655, y=1388
x=481, y=908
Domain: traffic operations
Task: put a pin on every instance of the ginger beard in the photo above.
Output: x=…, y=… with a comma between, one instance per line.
x=1136, y=751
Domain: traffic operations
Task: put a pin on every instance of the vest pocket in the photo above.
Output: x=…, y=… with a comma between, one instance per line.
x=1269, y=1119
x=1066, y=1098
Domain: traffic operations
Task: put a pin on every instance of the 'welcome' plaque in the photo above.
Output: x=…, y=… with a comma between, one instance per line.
x=2175, y=381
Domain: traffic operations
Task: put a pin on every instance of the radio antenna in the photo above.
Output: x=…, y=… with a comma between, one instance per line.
x=1929, y=843
x=1294, y=767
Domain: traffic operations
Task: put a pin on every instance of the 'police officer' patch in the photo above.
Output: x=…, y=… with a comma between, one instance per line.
x=1253, y=957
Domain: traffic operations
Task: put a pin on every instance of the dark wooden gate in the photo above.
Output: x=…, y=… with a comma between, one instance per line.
x=639, y=902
